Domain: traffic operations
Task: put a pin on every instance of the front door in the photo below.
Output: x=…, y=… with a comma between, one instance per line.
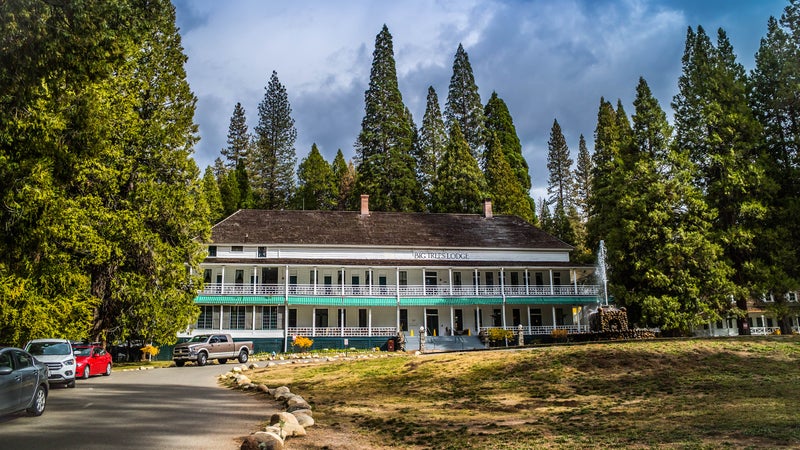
x=404, y=320
x=458, y=319
x=269, y=275
x=432, y=320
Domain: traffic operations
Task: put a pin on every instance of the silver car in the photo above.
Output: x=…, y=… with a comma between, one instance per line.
x=23, y=382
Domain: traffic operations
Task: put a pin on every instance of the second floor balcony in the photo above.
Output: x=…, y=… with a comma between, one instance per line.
x=402, y=291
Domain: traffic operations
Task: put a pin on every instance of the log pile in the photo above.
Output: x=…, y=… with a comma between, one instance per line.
x=608, y=318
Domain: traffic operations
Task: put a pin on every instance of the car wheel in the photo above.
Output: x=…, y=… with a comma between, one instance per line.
x=85, y=374
x=39, y=402
x=108, y=370
x=71, y=383
x=180, y=363
x=223, y=360
x=243, y=356
x=202, y=358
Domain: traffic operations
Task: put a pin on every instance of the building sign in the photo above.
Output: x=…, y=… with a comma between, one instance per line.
x=441, y=254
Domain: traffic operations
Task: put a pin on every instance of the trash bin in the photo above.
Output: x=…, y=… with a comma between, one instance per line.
x=390, y=345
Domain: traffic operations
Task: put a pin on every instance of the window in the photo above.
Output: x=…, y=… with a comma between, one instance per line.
x=293, y=318
x=262, y=252
x=559, y=316
x=206, y=319
x=539, y=279
x=476, y=278
x=430, y=278
x=207, y=276
x=239, y=276
x=341, y=317
x=456, y=278
x=212, y=250
x=269, y=317
x=237, y=248
x=236, y=319
x=791, y=296
x=403, y=278
x=489, y=279
x=515, y=278
x=557, y=278
x=362, y=318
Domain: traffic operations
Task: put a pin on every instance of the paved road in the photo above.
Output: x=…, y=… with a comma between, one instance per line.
x=170, y=408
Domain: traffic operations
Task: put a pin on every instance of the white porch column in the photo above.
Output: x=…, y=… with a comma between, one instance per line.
x=316, y=279
x=222, y=284
x=552, y=290
x=478, y=318
x=527, y=284
x=342, y=287
x=369, y=272
x=450, y=276
x=580, y=310
x=285, y=326
x=476, y=281
x=504, y=312
x=397, y=296
x=254, y=318
x=314, y=321
x=221, y=315
x=369, y=322
x=255, y=280
x=554, y=317
x=341, y=319
x=452, y=321
x=424, y=281
x=574, y=274
x=503, y=283
x=530, y=325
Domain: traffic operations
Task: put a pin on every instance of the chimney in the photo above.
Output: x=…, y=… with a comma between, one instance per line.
x=487, y=208
x=364, y=204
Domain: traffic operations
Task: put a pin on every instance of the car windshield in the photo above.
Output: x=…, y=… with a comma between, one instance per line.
x=82, y=351
x=49, y=348
x=199, y=338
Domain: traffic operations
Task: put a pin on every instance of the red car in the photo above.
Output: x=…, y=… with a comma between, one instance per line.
x=91, y=360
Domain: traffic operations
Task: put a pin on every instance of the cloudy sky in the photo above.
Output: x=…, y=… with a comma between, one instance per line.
x=547, y=59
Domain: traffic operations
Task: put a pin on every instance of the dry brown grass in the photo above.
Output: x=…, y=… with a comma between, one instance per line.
x=703, y=393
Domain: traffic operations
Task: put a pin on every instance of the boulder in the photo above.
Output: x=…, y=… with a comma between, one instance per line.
x=236, y=369
x=263, y=388
x=277, y=430
x=284, y=417
x=303, y=419
x=279, y=391
x=298, y=407
x=307, y=412
x=296, y=400
x=263, y=440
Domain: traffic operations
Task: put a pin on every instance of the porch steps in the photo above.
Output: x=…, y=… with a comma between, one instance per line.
x=445, y=343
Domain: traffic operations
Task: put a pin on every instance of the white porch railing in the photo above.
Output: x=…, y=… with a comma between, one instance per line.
x=763, y=331
x=403, y=291
x=543, y=329
x=342, y=331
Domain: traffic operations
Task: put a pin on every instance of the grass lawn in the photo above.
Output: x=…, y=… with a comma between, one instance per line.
x=688, y=393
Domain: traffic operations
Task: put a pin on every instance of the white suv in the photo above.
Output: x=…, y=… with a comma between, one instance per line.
x=57, y=355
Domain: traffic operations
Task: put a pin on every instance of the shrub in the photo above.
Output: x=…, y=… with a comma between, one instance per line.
x=498, y=335
x=559, y=335
x=302, y=343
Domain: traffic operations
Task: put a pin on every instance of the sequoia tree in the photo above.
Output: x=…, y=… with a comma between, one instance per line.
x=460, y=185
x=464, y=105
x=384, y=148
x=317, y=188
x=504, y=189
x=431, y=144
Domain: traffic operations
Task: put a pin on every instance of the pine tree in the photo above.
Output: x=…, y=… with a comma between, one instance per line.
x=545, y=217
x=506, y=194
x=431, y=144
x=344, y=174
x=464, y=105
x=581, y=184
x=559, y=183
x=239, y=138
x=773, y=97
x=385, y=146
x=499, y=122
x=212, y=196
x=715, y=124
x=273, y=156
x=317, y=186
x=460, y=185
x=602, y=202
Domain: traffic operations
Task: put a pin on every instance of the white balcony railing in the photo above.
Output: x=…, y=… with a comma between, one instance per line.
x=401, y=291
x=342, y=331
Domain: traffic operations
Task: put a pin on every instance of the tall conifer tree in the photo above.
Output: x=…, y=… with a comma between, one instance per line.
x=317, y=186
x=499, y=122
x=715, y=124
x=431, y=144
x=385, y=146
x=344, y=174
x=460, y=185
x=504, y=189
x=272, y=164
x=239, y=139
x=464, y=105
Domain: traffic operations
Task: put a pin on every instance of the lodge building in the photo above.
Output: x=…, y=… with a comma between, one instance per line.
x=357, y=278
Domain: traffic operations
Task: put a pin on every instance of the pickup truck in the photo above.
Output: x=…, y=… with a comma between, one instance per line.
x=204, y=347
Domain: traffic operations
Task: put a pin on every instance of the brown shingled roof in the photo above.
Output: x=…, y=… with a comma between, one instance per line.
x=383, y=229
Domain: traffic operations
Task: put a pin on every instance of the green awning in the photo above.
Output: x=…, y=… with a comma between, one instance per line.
x=446, y=301
x=238, y=300
x=346, y=301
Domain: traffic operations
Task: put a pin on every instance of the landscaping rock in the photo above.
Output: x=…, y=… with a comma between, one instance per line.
x=304, y=419
x=298, y=407
x=263, y=440
x=285, y=417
